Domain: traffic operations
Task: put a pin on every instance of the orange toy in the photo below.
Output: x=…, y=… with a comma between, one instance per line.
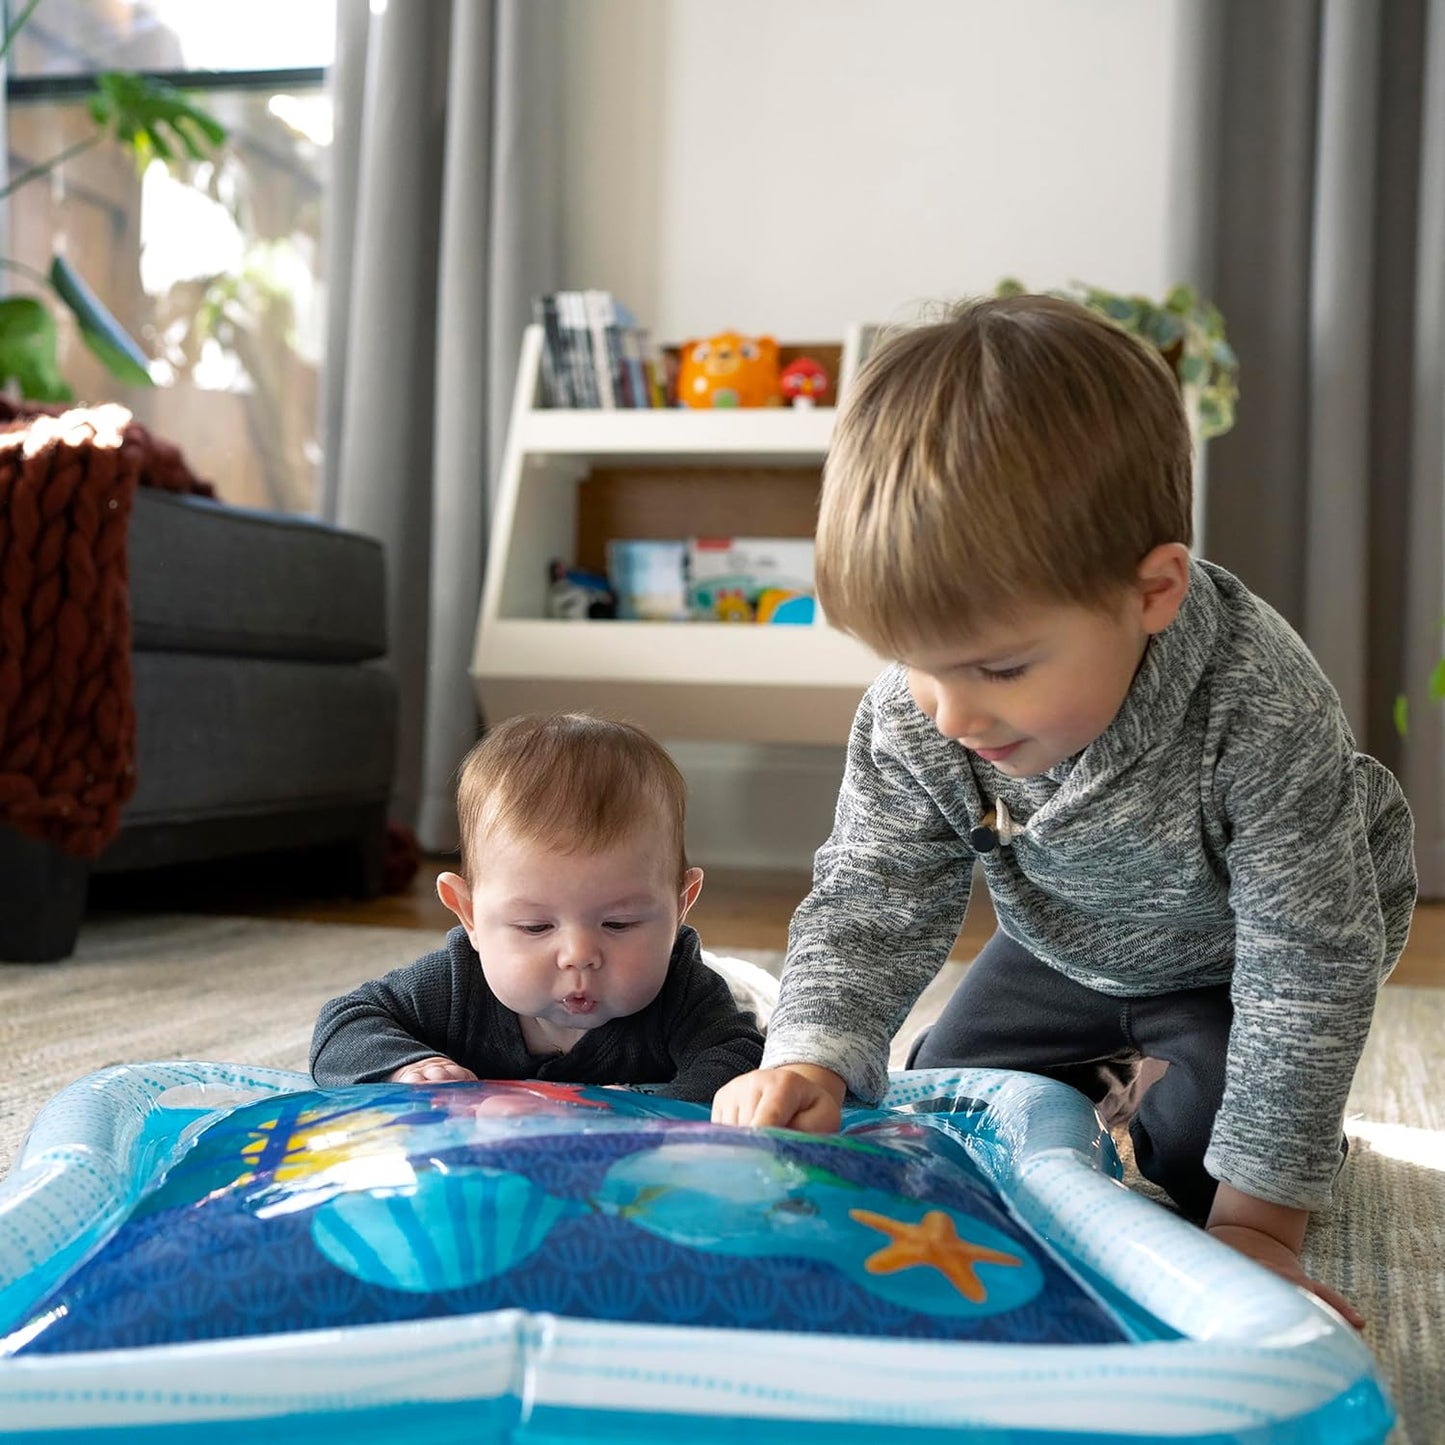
x=729, y=370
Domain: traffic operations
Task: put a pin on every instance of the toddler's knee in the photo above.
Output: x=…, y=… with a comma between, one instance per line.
x=1175, y=1163
x=921, y=1056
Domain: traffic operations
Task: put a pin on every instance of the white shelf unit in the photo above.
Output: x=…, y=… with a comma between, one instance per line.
x=566, y=476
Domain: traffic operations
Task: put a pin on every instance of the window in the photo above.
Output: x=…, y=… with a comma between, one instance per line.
x=215, y=267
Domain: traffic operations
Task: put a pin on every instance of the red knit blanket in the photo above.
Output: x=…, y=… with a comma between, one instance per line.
x=67, y=714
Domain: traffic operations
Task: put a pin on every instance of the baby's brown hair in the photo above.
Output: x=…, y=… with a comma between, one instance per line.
x=1022, y=451
x=568, y=781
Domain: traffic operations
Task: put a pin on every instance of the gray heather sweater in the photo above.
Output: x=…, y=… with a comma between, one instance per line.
x=1223, y=828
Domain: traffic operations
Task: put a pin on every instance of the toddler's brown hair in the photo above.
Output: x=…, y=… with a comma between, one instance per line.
x=1025, y=450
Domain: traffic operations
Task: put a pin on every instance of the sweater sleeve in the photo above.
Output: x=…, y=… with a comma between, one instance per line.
x=1310, y=951
x=709, y=1037
x=890, y=889
x=412, y=1013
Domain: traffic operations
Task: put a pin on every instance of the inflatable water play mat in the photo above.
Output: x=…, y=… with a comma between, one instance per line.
x=196, y=1251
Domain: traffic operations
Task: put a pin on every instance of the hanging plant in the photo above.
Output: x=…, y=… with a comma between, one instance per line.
x=1186, y=330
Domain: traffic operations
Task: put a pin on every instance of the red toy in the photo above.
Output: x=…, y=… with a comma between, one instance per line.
x=804, y=382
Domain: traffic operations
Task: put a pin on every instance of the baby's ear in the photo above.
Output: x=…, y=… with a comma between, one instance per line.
x=456, y=894
x=691, y=887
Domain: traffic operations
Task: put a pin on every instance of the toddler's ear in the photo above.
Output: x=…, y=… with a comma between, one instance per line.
x=1163, y=581
x=454, y=891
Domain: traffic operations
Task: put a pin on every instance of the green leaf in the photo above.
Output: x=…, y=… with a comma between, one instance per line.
x=103, y=334
x=1211, y=417
x=152, y=117
x=1437, y=680
x=1164, y=330
x=1193, y=370
x=1181, y=299
x=1010, y=286
x=28, y=350
x=1402, y=714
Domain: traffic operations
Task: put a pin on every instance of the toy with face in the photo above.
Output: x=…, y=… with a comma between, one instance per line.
x=804, y=382
x=729, y=370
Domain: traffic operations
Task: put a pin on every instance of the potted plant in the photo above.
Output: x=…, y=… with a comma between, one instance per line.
x=1189, y=333
x=152, y=120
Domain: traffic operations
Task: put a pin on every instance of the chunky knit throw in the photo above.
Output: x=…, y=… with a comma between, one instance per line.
x=67, y=716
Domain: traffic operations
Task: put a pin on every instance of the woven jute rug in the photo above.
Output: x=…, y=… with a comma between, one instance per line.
x=247, y=991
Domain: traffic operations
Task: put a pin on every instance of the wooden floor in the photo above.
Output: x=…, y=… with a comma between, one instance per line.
x=749, y=909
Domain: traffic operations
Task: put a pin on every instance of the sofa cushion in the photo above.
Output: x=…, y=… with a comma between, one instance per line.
x=222, y=736
x=209, y=578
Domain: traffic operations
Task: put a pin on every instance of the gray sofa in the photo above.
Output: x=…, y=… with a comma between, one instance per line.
x=265, y=718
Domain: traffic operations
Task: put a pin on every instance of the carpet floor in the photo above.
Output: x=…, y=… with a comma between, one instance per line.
x=247, y=990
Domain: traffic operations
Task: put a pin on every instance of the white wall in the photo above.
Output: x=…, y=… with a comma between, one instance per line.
x=794, y=165
x=790, y=166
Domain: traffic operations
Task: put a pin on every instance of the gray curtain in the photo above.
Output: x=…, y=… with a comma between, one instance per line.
x=1325, y=249
x=443, y=224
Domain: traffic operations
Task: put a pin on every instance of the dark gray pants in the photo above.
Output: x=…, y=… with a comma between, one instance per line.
x=1013, y=1012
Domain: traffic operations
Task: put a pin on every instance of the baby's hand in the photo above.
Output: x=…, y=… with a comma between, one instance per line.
x=435, y=1070
x=792, y=1096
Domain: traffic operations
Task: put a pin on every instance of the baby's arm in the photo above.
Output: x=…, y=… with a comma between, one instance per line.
x=709, y=1038
x=402, y=1026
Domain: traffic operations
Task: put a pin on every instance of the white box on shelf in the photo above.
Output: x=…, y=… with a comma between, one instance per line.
x=762, y=579
x=648, y=579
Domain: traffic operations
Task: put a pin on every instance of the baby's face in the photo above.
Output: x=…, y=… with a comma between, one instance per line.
x=570, y=940
x=1029, y=693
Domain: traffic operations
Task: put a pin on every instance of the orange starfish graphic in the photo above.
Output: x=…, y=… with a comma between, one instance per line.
x=933, y=1241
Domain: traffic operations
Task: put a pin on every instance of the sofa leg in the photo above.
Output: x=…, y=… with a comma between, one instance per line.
x=42, y=899
x=362, y=859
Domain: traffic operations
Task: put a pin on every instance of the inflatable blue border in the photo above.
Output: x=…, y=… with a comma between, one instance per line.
x=1241, y=1357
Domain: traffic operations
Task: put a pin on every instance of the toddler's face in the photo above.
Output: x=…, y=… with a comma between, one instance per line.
x=1030, y=693
x=570, y=940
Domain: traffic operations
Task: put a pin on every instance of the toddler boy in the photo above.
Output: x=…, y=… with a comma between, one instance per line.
x=1189, y=861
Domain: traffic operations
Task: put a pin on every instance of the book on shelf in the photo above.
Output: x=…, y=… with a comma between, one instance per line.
x=601, y=311
x=594, y=354
x=556, y=385
x=577, y=338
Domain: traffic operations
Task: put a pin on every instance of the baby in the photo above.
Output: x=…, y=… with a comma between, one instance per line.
x=571, y=961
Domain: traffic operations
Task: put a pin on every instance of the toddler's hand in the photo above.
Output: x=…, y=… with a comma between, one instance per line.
x=792, y=1096
x=1264, y=1249
x=435, y=1070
